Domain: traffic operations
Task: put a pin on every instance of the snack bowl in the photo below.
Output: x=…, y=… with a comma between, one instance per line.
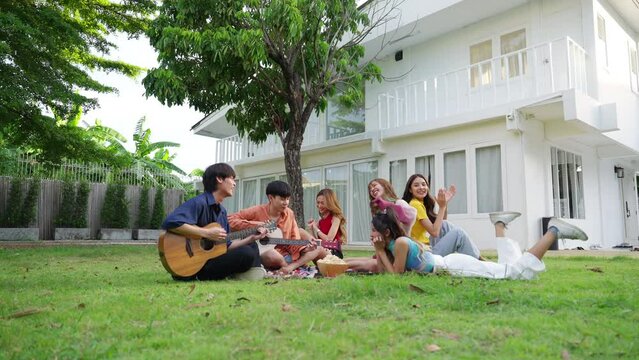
x=331, y=269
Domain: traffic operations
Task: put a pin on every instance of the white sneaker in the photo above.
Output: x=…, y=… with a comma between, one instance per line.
x=567, y=231
x=254, y=273
x=503, y=216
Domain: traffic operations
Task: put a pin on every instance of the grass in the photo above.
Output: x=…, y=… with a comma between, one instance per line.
x=118, y=302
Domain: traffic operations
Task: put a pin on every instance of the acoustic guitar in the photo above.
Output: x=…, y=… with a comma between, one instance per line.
x=185, y=256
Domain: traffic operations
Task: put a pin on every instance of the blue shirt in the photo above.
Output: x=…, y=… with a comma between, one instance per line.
x=417, y=258
x=201, y=211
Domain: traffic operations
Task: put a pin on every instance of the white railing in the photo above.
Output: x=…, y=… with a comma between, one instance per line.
x=528, y=73
x=234, y=148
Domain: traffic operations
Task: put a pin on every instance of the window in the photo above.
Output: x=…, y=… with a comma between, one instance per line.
x=263, y=183
x=488, y=172
x=360, y=221
x=249, y=193
x=311, y=183
x=455, y=174
x=425, y=165
x=336, y=179
x=480, y=55
x=345, y=119
x=567, y=184
x=398, y=177
x=634, y=67
x=514, y=64
x=601, y=37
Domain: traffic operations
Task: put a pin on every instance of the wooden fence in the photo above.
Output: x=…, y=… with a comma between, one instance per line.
x=50, y=198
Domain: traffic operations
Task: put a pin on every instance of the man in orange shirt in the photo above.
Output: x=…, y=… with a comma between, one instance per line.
x=286, y=258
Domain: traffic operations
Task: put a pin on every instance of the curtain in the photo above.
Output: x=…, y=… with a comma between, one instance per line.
x=425, y=165
x=398, y=176
x=262, y=193
x=249, y=193
x=455, y=173
x=489, y=187
x=337, y=180
x=359, y=227
x=311, y=182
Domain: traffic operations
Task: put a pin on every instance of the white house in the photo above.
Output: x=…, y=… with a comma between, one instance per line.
x=526, y=105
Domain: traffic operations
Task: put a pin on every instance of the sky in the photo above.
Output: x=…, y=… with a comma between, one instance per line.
x=122, y=111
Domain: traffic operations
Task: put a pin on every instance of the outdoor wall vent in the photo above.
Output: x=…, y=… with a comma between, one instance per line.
x=399, y=55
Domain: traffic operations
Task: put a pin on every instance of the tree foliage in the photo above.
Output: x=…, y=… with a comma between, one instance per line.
x=158, y=214
x=276, y=61
x=115, y=210
x=47, y=48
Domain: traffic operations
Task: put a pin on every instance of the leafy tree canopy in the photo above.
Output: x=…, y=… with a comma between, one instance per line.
x=47, y=48
x=276, y=61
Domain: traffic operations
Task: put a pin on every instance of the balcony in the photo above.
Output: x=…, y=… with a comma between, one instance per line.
x=526, y=74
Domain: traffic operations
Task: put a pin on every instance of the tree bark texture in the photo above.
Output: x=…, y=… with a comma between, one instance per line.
x=292, y=162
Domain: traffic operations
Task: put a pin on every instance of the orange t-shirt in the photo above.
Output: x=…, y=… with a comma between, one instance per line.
x=247, y=218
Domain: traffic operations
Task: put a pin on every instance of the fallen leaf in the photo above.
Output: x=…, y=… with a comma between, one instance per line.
x=206, y=314
x=286, y=307
x=416, y=306
x=565, y=355
x=192, y=287
x=271, y=282
x=210, y=297
x=55, y=325
x=81, y=306
x=277, y=330
x=242, y=299
x=416, y=289
x=595, y=269
x=451, y=336
x=433, y=348
x=493, y=302
x=24, y=313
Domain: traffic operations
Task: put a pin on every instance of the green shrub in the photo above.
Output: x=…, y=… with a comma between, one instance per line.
x=143, y=213
x=158, y=209
x=66, y=215
x=30, y=206
x=115, y=210
x=81, y=205
x=11, y=217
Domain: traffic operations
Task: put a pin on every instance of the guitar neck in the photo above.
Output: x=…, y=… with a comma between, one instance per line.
x=241, y=234
x=278, y=241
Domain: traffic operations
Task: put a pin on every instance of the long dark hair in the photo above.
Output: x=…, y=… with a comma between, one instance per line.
x=387, y=220
x=429, y=200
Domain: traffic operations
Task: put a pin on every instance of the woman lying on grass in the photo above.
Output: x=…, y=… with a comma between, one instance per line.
x=397, y=253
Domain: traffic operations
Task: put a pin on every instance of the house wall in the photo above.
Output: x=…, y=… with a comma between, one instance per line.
x=544, y=21
x=613, y=77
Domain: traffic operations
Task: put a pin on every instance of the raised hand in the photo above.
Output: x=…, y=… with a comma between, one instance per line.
x=441, y=198
x=450, y=192
x=381, y=203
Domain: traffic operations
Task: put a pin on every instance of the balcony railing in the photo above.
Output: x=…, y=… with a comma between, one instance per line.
x=528, y=73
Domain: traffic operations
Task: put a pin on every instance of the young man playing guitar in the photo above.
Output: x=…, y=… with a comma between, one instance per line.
x=286, y=258
x=191, y=219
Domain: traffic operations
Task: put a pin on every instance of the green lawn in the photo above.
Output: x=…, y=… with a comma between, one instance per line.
x=118, y=302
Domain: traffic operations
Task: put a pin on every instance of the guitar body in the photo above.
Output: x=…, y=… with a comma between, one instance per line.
x=183, y=256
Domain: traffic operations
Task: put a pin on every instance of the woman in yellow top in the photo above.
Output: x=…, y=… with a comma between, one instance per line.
x=445, y=237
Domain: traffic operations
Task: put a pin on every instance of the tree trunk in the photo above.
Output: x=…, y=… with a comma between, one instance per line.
x=292, y=156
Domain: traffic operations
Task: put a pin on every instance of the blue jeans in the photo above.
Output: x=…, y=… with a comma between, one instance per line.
x=453, y=239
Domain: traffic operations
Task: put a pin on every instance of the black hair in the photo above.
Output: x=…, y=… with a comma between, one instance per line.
x=387, y=220
x=219, y=170
x=429, y=200
x=278, y=188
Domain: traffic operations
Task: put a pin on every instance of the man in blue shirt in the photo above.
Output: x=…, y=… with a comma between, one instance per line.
x=242, y=258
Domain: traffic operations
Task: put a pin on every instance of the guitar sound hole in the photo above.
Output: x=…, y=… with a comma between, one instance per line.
x=207, y=244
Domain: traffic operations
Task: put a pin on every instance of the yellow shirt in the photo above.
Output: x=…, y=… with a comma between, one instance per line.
x=418, y=232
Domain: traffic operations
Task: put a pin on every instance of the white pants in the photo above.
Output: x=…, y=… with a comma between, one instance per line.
x=512, y=264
